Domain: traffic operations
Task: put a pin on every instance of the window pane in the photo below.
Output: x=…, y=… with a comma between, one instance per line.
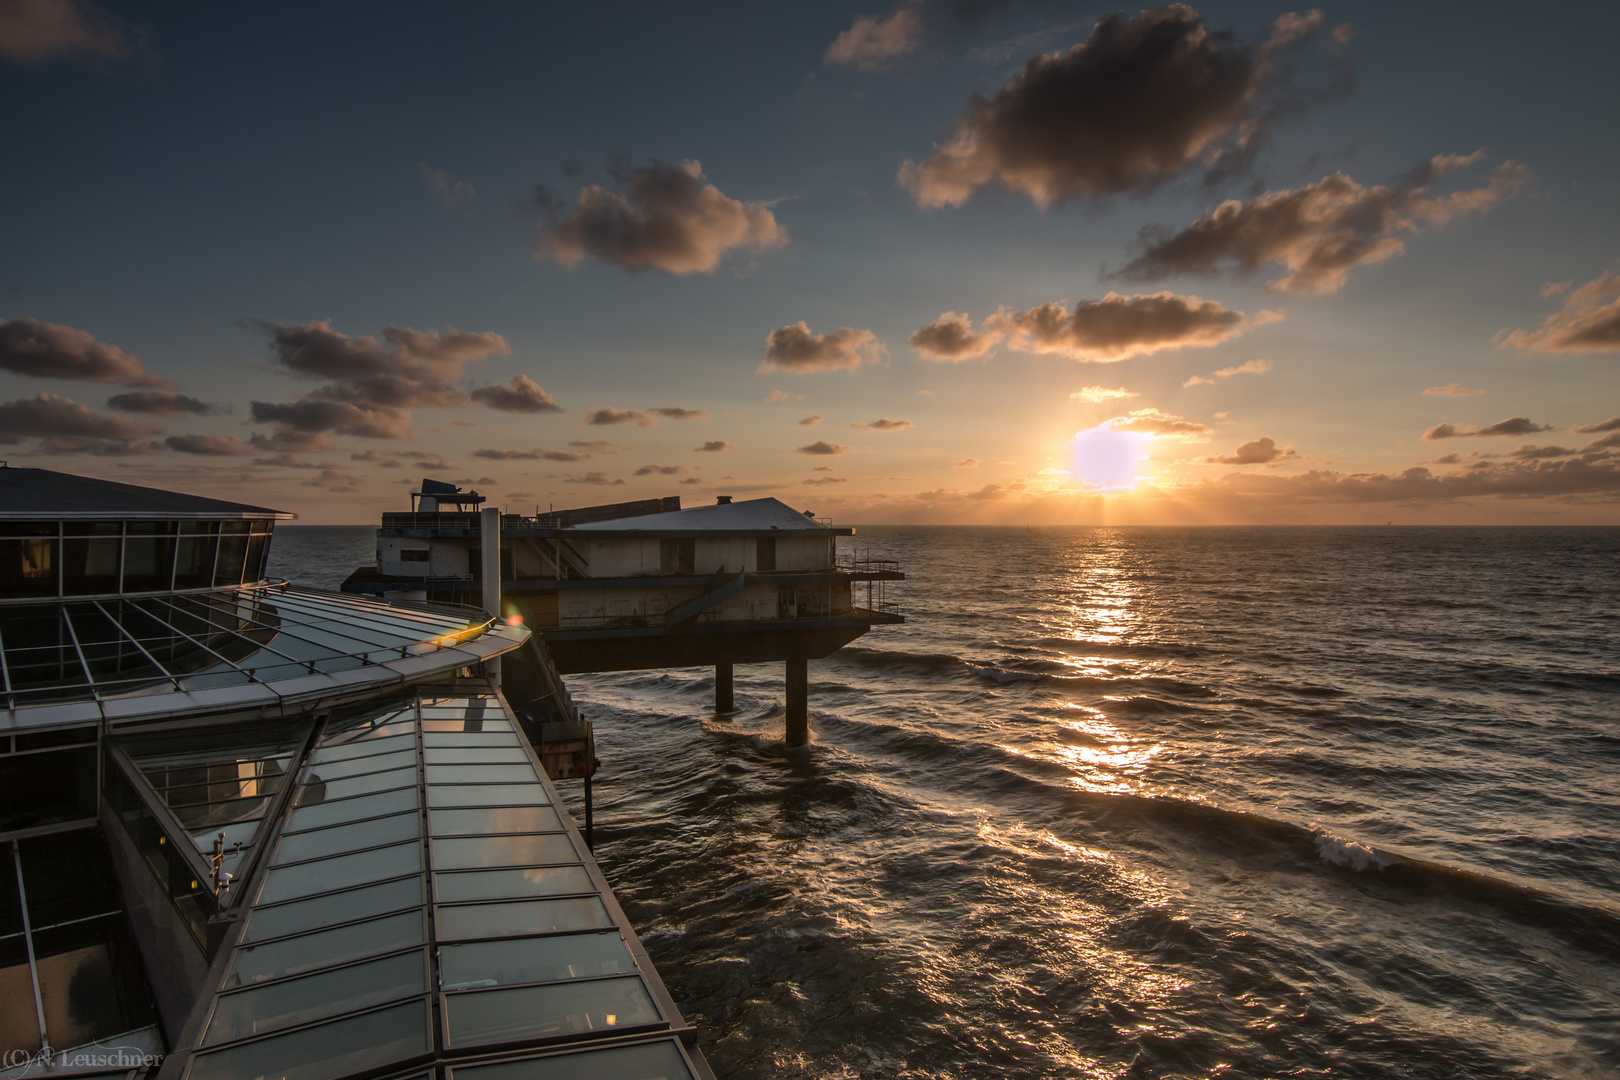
x=28, y=566
x=318, y=790
x=90, y=981
x=329, y=875
x=19, y=1030
x=476, y=754
x=520, y=918
x=476, y=852
x=90, y=565
x=512, y=884
x=493, y=738
x=479, y=774
x=320, y=1053
x=328, y=771
x=505, y=819
x=649, y=1061
x=194, y=563
x=289, y=956
x=364, y=748
x=297, y=1001
x=232, y=556
x=487, y=795
x=366, y=834
x=490, y=1016
x=331, y=813
x=362, y=903
x=148, y=562
x=531, y=960
x=440, y=720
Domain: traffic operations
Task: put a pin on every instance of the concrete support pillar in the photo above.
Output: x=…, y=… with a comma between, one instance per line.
x=798, y=702
x=490, y=566
x=724, y=700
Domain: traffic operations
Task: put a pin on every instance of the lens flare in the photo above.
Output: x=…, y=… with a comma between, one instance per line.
x=1105, y=458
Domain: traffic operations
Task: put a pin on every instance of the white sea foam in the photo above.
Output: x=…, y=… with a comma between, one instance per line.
x=1337, y=851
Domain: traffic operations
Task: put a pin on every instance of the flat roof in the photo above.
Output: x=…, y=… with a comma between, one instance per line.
x=753, y=514
x=41, y=494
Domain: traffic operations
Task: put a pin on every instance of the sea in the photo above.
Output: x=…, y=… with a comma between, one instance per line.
x=1142, y=802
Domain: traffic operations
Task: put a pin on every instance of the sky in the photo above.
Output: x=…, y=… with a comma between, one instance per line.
x=951, y=261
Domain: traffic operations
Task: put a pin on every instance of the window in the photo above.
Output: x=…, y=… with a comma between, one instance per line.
x=765, y=554
x=414, y=555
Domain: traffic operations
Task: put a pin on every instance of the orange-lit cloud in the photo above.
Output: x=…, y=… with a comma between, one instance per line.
x=951, y=337
x=882, y=424
x=795, y=348
x=822, y=447
x=1097, y=394
x=1588, y=322
x=967, y=463
x=33, y=31
x=875, y=44
x=520, y=394
x=1262, y=451
x=1253, y=367
x=450, y=192
x=45, y=350
x=813, y=420
x=1452, y=390
x=1158, y=424
x=783, y=396
x=664, y=217
x=1119, y=327
x=64, y=426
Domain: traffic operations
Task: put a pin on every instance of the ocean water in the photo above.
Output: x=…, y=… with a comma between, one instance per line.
x=1144, y=803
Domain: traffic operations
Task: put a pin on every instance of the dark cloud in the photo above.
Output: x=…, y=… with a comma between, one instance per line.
x=820, y=447
x=1119, y=327
x=795, y=348
x=883, y=424
x=663, y=470
x=675, y=412
x=293, y=461
x=1512, y=426
x=312, y=417
x=339, y=483
x=813, y=420
x=1140, y=101
x=292, y=440
x=664, y=217
x=64, y=426
x=50, y=351
x=450, y=192
x=1609, y=441
x=600, y=446
x=537, y=454
x=693, y=480
x=607, y=416
x=209, y=445
x=1320, y=232
x=34, y=31
x=951, y=337
x=825, y=480
x=876, y=43
x=1262, y=451
x=159, y=403
x=593, y=478
x=1611, y=424
x=714, y=446
x=1526, y=479
x=1528, y=452
x=519, y=395
x=1588, y=322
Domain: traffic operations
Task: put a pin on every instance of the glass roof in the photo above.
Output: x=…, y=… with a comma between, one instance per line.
x=136, y=658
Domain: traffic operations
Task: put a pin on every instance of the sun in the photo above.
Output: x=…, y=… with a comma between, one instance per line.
x=1104, y=458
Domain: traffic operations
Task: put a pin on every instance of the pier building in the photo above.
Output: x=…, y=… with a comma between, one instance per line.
x=250, y=829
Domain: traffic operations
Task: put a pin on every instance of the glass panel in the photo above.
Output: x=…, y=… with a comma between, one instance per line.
x=297, y=1001
x=445, y=721
x=521, y=918
x=332, y=770
x=531, y=960
x=194, y=562
x=512, y=884
x=90, y=981
x=397, y=723
x=346, y=750
x=495, y=1016
x=461, y=755
x=148, y=562
x=505, y=819
x=648, y=1061
x=332, y=813
x=363, y=903
x=366, y=834
x=232, y=553
x=463, y=738
x=487, y=795
x=317, y=790
x=19, y=1029
x=476, y=852
x=90, y=566
x=289, y=956
x=42, y=789
x=329, y=875
x=65, y=876
x=28, y=566
x=321, y=1053
x=479, y=774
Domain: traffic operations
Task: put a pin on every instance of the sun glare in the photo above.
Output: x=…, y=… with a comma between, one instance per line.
x=1109, y=459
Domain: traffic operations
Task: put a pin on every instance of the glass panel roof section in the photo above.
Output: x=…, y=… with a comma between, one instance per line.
x=661, y=1060
x=343, y=945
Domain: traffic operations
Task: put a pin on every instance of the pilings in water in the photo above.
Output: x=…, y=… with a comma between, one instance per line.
x=798, y=702
x=724, y=697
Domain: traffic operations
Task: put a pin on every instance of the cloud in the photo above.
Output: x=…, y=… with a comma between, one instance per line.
x=312, y=417
x=989, y=491
x=1137, y=103
x=1522, y=479
x=1609, y=441
x=663, y=470
x=1585, y=324
x=607, y=416
x=967, y=463
x=1451, y=390
x=1512, y=426
x=783, y=396
x=675, y=412
x=159, y=403
x=1319, y=232
x=874, y=44
x=45, y=350
x=714, y=446
x=449, y=192
x=34, y=31
x=1611, y=424
x=1253, y=367
x=883, y=424
x=1262, y=451
x=822, y=447
x=1096, y=394
x=813, y=420
x=600, y=446
x=663, y=218
x=1155, y=423
x=1527, y=452
x=795, y=348
x=818, y=480
x=951, y=337
x=538, y=454
x=64, y=426
x=1119, y=327
x=520, y=394
x=209, y=445
x=594, y=478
